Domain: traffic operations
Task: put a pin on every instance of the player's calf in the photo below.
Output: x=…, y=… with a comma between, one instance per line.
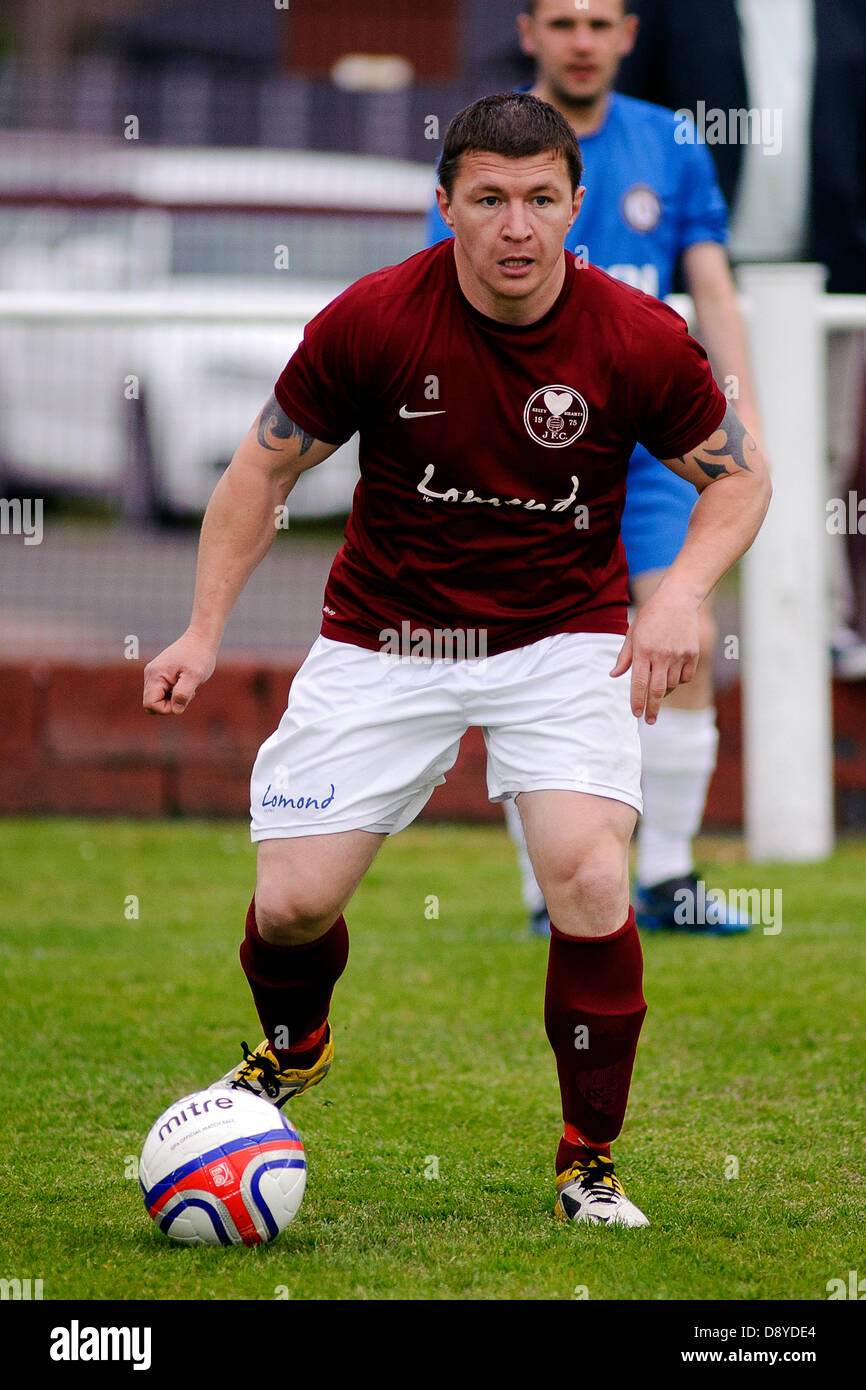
x=291, y=987
x=593, y=1012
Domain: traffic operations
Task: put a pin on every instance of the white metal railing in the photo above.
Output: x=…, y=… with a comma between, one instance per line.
x=165, y=305
x=787, y=717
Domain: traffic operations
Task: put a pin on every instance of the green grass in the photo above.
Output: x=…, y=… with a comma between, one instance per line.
x=752, y=1050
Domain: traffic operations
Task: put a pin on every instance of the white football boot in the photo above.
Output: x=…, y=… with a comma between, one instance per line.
x=591, y=1192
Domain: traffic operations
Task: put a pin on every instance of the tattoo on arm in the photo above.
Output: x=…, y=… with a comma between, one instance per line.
x=274, y=422
x=736, y=444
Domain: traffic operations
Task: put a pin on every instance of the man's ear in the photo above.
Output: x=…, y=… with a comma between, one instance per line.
x=576, y=204
x=632, y=24
x=443, y=202
x=524, y=32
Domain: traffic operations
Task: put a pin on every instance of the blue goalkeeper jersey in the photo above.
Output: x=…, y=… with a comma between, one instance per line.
x=647, y=200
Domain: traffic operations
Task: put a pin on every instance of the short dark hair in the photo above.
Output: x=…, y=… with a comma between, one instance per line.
x=514, y=124
x=532, y=6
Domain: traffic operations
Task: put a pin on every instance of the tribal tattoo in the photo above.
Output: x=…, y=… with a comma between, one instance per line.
x=275, y=422
x=737, y=443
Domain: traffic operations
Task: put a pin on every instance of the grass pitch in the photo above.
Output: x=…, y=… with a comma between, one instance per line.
x=743, y=1141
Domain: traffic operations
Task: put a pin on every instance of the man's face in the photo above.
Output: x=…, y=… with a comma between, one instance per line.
x=510, y=218
x=578, y=51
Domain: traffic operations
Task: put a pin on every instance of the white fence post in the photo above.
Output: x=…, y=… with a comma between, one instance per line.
x=787, y=716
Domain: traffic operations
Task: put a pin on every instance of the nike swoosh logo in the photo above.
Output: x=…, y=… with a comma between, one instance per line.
x=415, y=414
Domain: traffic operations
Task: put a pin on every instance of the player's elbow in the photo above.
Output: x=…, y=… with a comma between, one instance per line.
x=256, y=465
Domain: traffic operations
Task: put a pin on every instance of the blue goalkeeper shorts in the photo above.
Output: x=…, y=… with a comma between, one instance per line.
x=655, y=518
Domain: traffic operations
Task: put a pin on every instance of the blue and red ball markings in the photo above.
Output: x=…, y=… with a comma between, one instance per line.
x=214, y=1182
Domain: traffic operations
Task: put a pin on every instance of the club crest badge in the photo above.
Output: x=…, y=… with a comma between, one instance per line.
x=641, y=208
x=555, y=416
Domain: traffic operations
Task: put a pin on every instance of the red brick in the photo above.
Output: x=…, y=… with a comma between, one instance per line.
x=228, y=718
x=22, y=785
x=725, y=797
x=98, y=711
x=88, y=788
x=76, y=740
x=279, y=680
x=18, y=725
x=849, y=726
x=94, y=789
x=210, y=787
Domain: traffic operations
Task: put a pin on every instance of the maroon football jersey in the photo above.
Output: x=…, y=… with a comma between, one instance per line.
x=493, y=457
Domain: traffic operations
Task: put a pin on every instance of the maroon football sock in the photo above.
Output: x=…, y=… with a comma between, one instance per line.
x=593, y=1011
x=292, y=988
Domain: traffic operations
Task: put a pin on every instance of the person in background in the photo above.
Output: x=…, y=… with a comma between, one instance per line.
x=652, y=204
x=804, y=62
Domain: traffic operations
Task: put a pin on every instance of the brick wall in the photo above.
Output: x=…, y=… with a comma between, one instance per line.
x=75, y=740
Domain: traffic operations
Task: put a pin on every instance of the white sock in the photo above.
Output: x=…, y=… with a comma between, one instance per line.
x=532, y=894
x=678, y=755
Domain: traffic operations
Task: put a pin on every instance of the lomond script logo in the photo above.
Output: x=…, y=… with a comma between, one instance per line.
x=555, y=416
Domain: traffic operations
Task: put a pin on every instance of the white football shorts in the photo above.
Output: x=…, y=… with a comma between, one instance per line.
x=367, y=736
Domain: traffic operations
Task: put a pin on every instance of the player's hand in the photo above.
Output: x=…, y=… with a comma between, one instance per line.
x=172, y=678
x=662, y=649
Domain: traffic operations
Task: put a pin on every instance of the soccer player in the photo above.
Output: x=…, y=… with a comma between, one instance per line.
x=498, y=390
x=651, y=203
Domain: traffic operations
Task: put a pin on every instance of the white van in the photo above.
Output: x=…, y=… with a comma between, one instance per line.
x=149, y=298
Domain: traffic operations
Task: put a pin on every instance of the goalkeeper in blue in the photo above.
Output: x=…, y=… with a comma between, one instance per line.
x=652, y=203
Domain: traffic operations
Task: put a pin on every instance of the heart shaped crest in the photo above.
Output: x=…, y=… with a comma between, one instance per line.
x=558, y=402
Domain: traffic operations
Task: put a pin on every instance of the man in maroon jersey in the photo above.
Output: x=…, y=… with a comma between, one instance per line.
x=499, y=390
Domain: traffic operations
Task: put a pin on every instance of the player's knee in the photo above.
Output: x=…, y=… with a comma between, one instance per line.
x=589, y=888
x=293, y=918
x=596, y=888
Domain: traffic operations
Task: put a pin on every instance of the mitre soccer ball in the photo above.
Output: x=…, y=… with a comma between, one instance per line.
x=222, y=1167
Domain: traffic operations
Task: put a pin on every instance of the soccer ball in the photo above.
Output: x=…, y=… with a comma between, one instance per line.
x=222, y=1167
